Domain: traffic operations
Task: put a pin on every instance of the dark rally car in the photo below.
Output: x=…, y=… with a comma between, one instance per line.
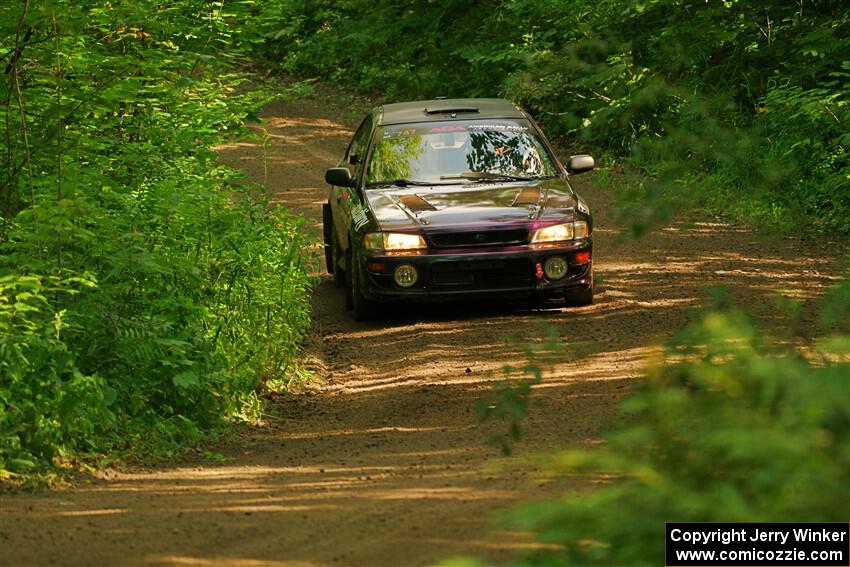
x=449, y=199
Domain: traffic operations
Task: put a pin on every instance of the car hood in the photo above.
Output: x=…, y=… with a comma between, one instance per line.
x=475, y=204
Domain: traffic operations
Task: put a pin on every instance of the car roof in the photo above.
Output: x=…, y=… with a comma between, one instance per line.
x=447, y=109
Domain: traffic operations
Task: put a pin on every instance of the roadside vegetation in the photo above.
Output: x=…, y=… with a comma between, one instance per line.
x=145, y=298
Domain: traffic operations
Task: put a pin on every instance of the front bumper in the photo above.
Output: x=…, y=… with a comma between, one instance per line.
x=513, y=272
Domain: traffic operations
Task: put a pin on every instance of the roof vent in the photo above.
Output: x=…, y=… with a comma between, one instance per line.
x=452, y=110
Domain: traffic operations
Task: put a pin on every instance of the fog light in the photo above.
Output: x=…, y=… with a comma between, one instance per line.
x=405, y=275
x=555, y=268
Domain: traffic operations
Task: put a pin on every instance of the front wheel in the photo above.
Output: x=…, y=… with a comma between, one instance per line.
x=336, y=269
x=362, y=308
x=581, y=296
x=328, y=237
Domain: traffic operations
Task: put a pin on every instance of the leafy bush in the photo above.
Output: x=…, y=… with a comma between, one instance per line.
x=47, y=401
x=143, y=298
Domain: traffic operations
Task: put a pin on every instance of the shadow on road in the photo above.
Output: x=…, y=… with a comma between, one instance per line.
x=385, y=462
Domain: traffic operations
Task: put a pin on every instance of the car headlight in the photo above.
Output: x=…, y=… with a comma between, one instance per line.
x=394, y=241
x=561, y=232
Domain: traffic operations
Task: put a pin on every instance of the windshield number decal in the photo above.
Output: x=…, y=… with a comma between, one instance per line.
x=505, y=127
x=406, y=133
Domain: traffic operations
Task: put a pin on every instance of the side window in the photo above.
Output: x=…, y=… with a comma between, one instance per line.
x=356, y=153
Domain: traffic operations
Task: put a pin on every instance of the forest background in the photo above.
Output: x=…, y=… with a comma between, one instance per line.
x=147, y=299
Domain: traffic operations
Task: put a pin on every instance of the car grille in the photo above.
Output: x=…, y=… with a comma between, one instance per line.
x=469, y=239
x=482, y=274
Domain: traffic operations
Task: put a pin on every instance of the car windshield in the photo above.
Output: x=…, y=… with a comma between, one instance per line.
x=458, y=151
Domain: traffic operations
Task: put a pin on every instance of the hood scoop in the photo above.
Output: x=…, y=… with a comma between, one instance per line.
x=416, y=204
x=528, y=196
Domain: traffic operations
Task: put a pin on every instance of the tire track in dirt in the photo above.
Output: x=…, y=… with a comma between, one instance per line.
x=385, y=463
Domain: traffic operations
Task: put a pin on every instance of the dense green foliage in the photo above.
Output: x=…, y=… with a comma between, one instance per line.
x=748, y=103
x=142, y=298
x=730, y=426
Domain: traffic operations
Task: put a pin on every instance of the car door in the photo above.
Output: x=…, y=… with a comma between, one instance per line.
x=344, y=199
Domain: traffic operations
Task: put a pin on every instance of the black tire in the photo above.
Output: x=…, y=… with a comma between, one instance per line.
x=362, y=308
x=581, y=296
x=349, y=291
x=336, y=270
x=328, y=232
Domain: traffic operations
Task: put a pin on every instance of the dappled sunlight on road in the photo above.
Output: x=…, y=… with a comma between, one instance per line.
x=184, y=561
x=103, y=512
x=383, y=460
x=252, y=510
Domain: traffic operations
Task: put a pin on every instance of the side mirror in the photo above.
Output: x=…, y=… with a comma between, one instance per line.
x=581, y=163
x=339, y=177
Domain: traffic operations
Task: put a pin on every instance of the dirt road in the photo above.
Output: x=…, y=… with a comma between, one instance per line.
x=385, y=463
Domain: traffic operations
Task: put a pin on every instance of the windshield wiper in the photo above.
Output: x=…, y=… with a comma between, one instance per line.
x=399, y=182
x=481, y=176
